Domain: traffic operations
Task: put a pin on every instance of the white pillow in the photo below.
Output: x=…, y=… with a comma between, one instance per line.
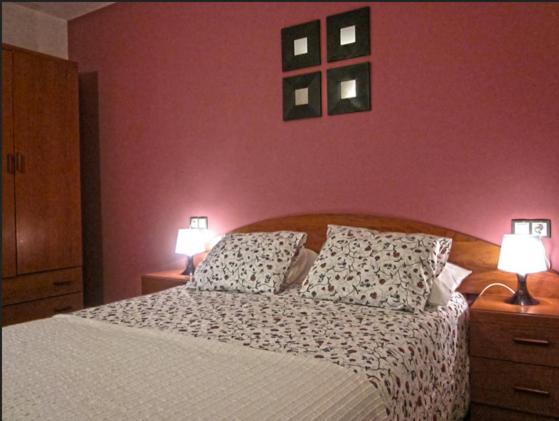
x=300, y=267
x=446, y=283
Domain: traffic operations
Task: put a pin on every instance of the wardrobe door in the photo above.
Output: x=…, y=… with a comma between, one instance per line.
x=46, y=135
x=8, y=168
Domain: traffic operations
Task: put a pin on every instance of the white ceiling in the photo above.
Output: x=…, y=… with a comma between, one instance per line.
x=64, y=10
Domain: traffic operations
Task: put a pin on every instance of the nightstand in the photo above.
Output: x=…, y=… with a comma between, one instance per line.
x=514, y=360
x=158, y=281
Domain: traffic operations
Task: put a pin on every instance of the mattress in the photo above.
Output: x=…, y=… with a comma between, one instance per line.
x=415, y=363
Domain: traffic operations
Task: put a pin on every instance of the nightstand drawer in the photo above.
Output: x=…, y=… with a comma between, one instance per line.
x=522, y=387
x=521, y=339
x=485, y=412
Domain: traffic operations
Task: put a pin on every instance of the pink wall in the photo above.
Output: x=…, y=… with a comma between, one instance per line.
x=464, y=130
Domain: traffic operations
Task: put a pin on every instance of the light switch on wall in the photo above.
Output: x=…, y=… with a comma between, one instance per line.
x=200, y=222
x=539, y=227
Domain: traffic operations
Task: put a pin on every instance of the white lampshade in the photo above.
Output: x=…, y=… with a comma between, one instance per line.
x=522, y=254
x=191, y=241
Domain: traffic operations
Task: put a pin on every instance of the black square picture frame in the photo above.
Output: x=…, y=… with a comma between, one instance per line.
x=303, y=37
x=348, y=34
x=349, y=89
x=305, y=89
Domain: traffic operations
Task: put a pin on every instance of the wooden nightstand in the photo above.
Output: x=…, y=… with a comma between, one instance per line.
x=514, y=360
x=158, y=281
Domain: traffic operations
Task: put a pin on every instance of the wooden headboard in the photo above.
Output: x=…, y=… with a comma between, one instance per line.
x=477, y=255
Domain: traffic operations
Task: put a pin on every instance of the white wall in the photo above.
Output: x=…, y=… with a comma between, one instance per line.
x=37, y=31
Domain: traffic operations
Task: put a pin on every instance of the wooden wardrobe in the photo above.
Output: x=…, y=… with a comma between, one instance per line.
x=41, y=213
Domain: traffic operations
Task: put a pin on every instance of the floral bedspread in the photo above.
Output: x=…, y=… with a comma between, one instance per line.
x=417, y=362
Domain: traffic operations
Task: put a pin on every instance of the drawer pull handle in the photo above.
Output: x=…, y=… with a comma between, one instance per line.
x=61, y=283
x=526, y=341
x=530, y=390
x=62, y=309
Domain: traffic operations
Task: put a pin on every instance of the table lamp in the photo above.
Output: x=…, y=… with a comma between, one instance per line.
x=522, y=254
x=190, y=241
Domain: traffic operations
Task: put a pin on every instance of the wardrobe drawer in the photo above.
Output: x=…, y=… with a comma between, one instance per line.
x=522, y=387
x=41, y=285
x=39, y=309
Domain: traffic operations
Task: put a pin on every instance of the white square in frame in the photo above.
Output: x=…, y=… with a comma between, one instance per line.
x=300, y=46
x=348, y=89
x=302, y=96
x=347, y=35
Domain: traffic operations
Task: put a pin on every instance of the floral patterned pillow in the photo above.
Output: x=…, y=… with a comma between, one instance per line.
x=254, y=262
x=379, y=269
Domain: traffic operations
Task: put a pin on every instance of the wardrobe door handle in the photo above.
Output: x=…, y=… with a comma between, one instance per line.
x=20, y=162
x=10, y=164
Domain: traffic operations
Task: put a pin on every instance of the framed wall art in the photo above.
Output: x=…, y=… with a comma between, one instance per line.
x=347, y=34
x=349, y=89
x=302, y=96
x=300, y=46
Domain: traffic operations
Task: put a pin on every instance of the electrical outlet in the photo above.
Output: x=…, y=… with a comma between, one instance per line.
x=200, y=222
x=539, y=227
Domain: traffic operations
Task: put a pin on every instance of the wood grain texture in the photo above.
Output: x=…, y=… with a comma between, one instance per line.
x=514, y=356
x=479, y=256
x=158, y=281
x=543, y=284
x=8, y=194
x=504, y=384
x=14, y=48
x=548, y=308
x=41, y=285
x=43, y=236
x=523, y=340
x=48, y=224
x=479, y=412
x=48, y=307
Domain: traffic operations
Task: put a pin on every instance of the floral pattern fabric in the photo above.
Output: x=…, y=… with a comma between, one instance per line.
x=254, y=262
x=380, y=269
x=417, y=362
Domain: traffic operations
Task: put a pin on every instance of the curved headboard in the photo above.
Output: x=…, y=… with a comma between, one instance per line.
x=477, y=255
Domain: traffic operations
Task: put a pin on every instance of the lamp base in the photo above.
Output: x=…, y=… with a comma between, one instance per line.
x=189, y=270
x=522, y=296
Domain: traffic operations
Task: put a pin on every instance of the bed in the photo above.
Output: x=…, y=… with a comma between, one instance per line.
x=186, y=353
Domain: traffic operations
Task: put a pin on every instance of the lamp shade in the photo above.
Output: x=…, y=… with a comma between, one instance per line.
x=522, y=254
x=191, y=241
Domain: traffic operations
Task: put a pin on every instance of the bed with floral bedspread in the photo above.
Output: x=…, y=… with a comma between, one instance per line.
x=416, y=362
